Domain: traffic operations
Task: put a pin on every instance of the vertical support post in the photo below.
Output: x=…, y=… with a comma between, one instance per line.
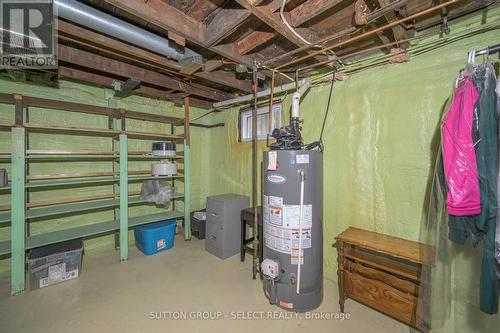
x=341, y=267
x=123, y=197
x=18, y=227
x=255, y=260
x=115, y=145
x=187, y=180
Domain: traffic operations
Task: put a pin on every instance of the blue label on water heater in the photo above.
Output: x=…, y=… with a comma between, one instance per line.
x=277, y=179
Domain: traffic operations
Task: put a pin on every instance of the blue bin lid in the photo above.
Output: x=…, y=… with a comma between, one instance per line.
x=156, y=225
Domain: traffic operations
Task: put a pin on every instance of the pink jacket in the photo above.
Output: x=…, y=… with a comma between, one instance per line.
x=459, y=156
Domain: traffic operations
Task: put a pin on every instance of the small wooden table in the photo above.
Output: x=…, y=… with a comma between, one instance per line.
x=382, y=272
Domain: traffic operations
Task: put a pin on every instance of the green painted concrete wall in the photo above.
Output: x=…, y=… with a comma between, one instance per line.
x=380, y=142
x=380, y=145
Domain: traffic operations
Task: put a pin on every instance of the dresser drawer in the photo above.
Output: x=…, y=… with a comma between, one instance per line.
x=401, y=284
x=381, y=296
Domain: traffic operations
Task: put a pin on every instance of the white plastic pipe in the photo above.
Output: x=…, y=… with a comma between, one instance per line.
x=301, y=223
x=297, y=96
x=260, y=94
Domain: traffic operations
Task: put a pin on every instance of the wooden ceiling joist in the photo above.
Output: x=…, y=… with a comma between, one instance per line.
x=109, y=45
x=169, y=18
x=398, y=31
x=254, y=40
x=298, y=16
x=267, y=15
x=309, y=10
x=101, y=80
x=202, y=8
x=108, y=65
x=225, y=22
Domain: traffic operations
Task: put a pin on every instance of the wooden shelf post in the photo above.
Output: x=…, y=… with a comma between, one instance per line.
x=123, y=197
x=18, y=226
x=187, y=178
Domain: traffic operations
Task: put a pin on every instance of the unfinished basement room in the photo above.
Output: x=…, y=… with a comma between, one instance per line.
x=250, y=166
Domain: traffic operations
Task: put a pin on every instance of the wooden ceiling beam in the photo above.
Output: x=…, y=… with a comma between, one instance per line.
x=299, y=15
x=398, y=31
x=169, y=18
x=309, y=10
x=161, y=14
x=108, y=65
x=267, y=15
x=224, y=23
x=202, y=8
x=101, y=80
x=254, y=40
x=129, y=52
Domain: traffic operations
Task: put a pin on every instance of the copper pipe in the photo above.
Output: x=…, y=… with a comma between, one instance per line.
x=270, y=117
x=369, y=33
x=373, y=48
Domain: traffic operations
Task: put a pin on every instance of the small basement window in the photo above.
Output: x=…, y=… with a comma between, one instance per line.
x=245, y=122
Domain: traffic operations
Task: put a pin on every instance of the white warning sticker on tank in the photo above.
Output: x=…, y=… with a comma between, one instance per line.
x=306, y=238
x=302, y=159
x=294, y=257
x=291, y=216
x=277, y=238
x=276, y=210
x=272, y=160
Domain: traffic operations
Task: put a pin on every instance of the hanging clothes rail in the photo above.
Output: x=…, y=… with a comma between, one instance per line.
x=488, y=51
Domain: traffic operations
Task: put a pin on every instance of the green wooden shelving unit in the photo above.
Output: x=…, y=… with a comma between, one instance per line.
x=20, y=156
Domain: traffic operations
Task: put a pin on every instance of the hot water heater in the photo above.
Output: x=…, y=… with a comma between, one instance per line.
x=293, y=219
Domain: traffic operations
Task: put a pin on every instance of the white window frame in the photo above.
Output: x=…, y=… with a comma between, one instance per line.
x=245, y=132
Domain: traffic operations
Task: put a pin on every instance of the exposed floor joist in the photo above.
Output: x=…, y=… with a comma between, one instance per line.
x=169, y=18
x=107, y=65
x=101, y=80
x=267, y=15
x=102, y=42
x=309, y=10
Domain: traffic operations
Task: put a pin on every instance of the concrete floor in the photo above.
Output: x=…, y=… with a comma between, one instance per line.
x=111, y=296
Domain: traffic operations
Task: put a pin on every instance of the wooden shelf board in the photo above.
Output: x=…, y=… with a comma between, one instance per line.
x=70, y=208
x=88, y=230
x=71, y=130
x=154, y=136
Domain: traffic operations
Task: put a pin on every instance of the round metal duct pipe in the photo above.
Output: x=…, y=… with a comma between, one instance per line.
x=94, y=19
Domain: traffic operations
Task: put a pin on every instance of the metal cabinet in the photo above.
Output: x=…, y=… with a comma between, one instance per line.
x=223, y=227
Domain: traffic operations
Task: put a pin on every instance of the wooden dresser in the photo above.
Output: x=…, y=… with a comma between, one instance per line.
x=380, y=271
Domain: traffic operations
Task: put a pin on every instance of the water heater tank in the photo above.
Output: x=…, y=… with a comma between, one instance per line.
x=293, y=205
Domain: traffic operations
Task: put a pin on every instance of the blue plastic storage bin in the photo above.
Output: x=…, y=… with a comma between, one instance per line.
x=155, y=237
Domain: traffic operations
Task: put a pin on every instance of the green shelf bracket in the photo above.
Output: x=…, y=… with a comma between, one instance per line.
x=123, y=197
x=18, y=226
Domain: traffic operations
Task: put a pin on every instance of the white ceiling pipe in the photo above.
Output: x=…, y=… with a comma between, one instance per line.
x=260, y=94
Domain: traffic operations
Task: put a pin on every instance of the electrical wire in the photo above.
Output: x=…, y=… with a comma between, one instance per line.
x=282, y=15
x=327, y=111
x=305, y=41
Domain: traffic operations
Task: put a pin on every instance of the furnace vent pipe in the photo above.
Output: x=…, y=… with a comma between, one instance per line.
x=94, y=19
x=297, y=96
